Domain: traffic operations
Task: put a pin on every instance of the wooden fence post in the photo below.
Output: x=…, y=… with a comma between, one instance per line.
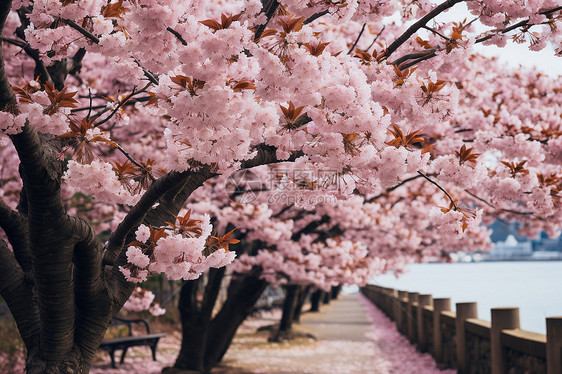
x=439, y=305
x=389, y=302
x=402, y=297
x=464, y=311
x=502, y=319
x=554, y=345
x=423, y=300
x=412, y=298
x=392, y=304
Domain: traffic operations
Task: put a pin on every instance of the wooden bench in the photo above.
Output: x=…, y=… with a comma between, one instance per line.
x=111, y=345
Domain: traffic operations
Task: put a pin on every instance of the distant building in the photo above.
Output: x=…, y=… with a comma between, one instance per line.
x=546, y=244
x=509, y=244
x=511, y=248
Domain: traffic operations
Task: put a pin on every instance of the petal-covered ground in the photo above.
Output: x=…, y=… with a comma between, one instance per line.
x=350, y=346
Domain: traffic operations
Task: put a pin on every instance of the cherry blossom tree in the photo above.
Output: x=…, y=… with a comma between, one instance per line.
x=114, y=113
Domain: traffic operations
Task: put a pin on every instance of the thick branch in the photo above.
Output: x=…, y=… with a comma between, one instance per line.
x=267, y=154
x=310, y=227
x=136, y=215
x=7, y=98
x=171, y=194
x=315, y=16
x=18, y=296
x=41, y=175
x=16, y=229
x=93, y=304
x=211, y=292
x=419, y=24
x=269, y=8
x=82, y=31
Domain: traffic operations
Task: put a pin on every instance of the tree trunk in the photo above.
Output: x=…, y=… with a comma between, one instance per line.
x=205, y=340
x=315, y=301
x=242, y=296
x=336, y=292
x=194, y=329
x=327, y=297
x=303, y=293
x=289, y=308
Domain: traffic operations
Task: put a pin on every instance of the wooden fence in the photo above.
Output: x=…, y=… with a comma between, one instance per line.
x=462, y=341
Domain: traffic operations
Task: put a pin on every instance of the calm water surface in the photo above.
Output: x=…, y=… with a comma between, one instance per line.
x=535, y=287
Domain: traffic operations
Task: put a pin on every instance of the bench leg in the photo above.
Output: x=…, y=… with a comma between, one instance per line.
x=153, y=348
x=112, y=355
x=123, y=355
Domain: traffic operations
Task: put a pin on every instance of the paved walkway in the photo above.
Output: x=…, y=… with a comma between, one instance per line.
x=343, y=319
x=354, y=337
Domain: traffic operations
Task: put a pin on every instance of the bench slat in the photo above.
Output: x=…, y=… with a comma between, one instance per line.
x=130, y=339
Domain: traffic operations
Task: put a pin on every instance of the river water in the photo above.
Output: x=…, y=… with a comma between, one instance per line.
x=533, y=286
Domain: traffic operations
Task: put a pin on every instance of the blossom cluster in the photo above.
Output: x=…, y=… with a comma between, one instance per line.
x=181, y=251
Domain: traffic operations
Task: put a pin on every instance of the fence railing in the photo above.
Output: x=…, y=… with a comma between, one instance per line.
x=462, y=341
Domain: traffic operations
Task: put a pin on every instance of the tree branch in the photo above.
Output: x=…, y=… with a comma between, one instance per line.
x=413, y=55
x=310, y=227
x=40, y=68
x=136, y=215
x=177, y=35
x=357, y=40
x=215, y=277
x=119, y=105
x=430, y=53
x=267, y=154
x=441, y=188
x=315, y=16
x=375, y=40
x=419, y=24
x=19, y=298
x=500, y=209
x=435, y=32
x=372, y=199
x=93, y=303
x=81, y=30
x=269, y=8
x=518, y=24
x=16, y=229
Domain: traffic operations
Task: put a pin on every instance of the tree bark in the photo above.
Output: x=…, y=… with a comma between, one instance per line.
x=205, y=340
x=326, y=298
x=242, y=296
x=335, y=292
x=303, y=293
x=289, y=308
x=315, y=301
